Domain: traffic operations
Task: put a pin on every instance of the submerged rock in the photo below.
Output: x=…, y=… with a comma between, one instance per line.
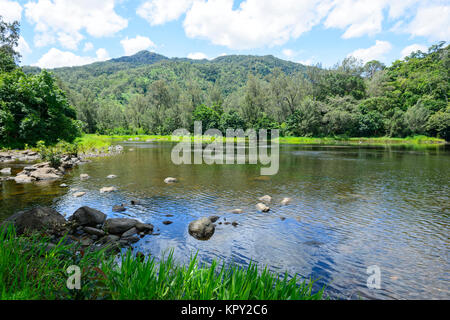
x=120, y=208
x=286, y=201
x=84, y=176
x=86, y=216
x=266, y=199
x=111, y=176
x=237, y=211
x=202, y=229
x=135, y=202
x=170, y=180
x=262, y=207
x=108, y=189
x=167, y=222
x=79, y=194
x=22, y=178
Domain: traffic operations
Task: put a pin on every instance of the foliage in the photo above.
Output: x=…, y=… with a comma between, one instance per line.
x=30, y=268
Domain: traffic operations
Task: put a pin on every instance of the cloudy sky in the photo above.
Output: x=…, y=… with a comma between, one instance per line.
x=58, y=33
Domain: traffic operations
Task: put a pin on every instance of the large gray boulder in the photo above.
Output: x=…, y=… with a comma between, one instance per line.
x=202, y=229
x=86, y=216
x=37, y=219
x=119, y=225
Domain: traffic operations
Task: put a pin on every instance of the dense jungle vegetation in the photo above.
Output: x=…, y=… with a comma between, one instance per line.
x=148, y=93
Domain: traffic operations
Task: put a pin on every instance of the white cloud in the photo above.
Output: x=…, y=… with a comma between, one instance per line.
x=158, y=12
x=289, y=53
x=413, y=48
x=255, y=23
x=197, y=56
x=375, y=52
x=10, y=11
x=432, y=22
x=134, y=45
x=23, y=47
x=65, y=19
x=88, y=46
x=56, y=58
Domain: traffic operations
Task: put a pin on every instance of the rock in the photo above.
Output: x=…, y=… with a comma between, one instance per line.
x=108, y=189
x=120, y=208
x=111, y=176
x=237, y=211
x=5, y=171
x=37, y=219
x=286, y=201
x=129, y=233
x=119, y=148
x=266, y=199
x=110, y=239
x=84, y=176
x=94, y=231
x=202, y=229
x=167, y=222
x=23, y=179
x=119, y=225
x=214, y=218
x=144, y=227
x=128, y=240
x=79, y=194
x=135, y=202
x=45, y=174
x=262, y=207
x=86, y=216
x=169, y=215
x=282, y=218
x=170, y=180
x=63, y=185
x=86, y=241
x=234, y=224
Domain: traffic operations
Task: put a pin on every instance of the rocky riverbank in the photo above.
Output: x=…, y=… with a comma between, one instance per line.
x=86, y=227
x=43, y=170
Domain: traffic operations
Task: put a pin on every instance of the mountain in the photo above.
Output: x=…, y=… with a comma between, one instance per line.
x=120, y=78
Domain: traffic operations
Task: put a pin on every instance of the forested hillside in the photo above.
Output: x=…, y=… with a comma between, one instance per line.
x=149, y=93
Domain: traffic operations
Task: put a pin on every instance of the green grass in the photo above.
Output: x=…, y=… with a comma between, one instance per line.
x=415, y=140
x=29, y=270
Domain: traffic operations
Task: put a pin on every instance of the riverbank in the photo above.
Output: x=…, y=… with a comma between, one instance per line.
x=95, y=141
x=40, y=272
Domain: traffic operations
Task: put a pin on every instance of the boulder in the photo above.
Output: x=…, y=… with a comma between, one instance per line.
x=22, y=178
x=202, y=229
x=170, y=180
x=37, y=219
x=286, y=201
x=86, y=216
x=262, y=207
x=266, y=199
x=129, y=233
x=144, y=227
x=5, y=171
x=119, y=225
x=94, y=231
x=108, y=189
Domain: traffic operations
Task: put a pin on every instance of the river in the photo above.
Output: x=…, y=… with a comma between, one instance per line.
x=352, y=207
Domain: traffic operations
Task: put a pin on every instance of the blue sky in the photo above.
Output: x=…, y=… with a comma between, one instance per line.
x=59, y=33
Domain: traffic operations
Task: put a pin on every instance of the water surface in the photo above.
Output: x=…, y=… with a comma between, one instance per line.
x=352, y=207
